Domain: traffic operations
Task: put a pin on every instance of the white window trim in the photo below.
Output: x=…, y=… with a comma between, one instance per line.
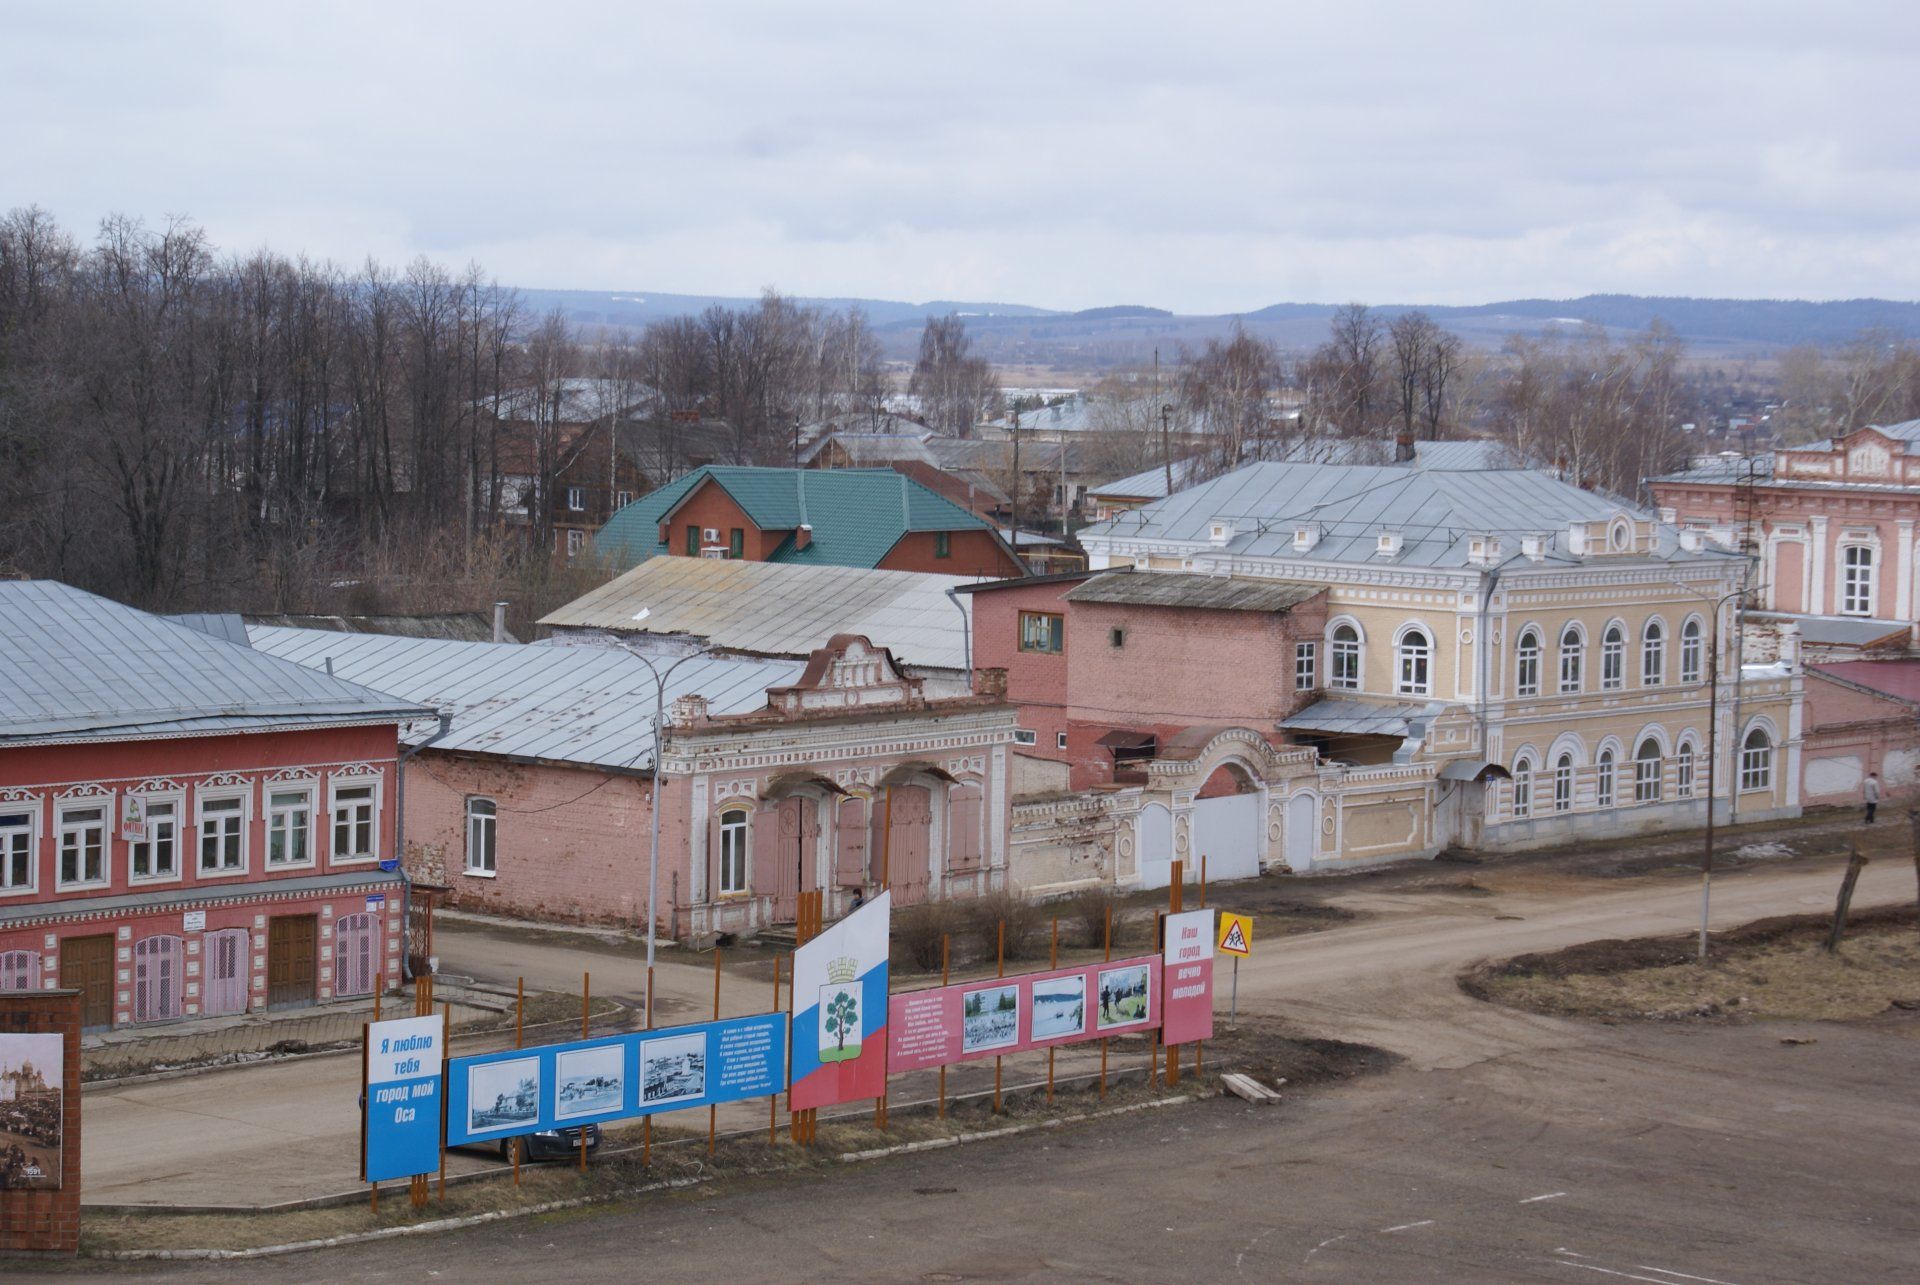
x=202, y=795
x=181, y=851
x=576, y=499
x=1401, y=655
x=467, y=866
x=1699, y=673
x=745, y=887
x=1686, y=770
x=1659, y=674
x=32, y=808
x=1306, y=664
x=105, y=803
x=1769, y=765
x=1872, y=550
x=1025, y=736
x=1520, y=688
x=1613, y=647
x=312, y=790
x=1359, y=656
x=335, y=784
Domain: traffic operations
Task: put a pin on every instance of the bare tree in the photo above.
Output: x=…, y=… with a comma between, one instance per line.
x=956, y=389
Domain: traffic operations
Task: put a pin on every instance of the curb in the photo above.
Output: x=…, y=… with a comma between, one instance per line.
x=581, y=1202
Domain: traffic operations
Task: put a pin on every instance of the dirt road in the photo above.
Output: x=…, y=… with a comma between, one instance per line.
x=271, y=1133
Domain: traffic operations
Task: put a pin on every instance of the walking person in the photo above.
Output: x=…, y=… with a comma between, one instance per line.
x=1871, y=792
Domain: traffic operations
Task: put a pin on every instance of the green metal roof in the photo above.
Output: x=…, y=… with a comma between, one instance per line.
x=857, y=515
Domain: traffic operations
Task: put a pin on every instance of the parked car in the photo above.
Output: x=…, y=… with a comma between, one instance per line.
x=552, y=1144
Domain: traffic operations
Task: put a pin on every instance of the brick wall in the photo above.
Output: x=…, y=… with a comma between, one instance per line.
x=47, y=1222
x=969, y=553
x=711, y=506
x=571, y=843
x=1036, y=681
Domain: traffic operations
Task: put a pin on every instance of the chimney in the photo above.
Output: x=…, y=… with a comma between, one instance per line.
x=499, y=622
x=804, y=536
x=1403, y=448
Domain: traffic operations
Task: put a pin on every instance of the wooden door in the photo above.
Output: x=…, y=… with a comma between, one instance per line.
x=156, y=978
x=908, y=818
x=795, y=856
x=356, y=954
x=87, y=964
x=227, y=972
x=292, y=942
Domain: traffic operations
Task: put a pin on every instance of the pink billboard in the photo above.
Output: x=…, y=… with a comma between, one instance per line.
x=996, y=1016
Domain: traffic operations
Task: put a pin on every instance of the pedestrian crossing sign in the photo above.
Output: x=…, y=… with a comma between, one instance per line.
x=1236, y=934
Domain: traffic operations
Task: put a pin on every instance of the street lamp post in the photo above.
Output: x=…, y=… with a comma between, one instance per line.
x=1713, y=758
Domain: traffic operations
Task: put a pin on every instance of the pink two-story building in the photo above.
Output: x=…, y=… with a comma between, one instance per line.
x=188, y=828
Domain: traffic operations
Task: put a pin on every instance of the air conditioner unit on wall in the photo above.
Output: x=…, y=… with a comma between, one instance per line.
x=710, y=535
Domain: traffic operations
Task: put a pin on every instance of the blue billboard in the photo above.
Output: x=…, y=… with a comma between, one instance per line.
x=617, y=1077
x=401, y=1124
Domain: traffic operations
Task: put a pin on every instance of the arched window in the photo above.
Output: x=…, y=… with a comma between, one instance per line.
x=1646, y=772
x=1527, y=681
x=1692, y=668
x=1856, y=580
x=1345, y=656
x=733, y=852
x=1613, y=659
x=1522, y=786
x=1653, y=655
x=1756, y=761
x=1563, y=784
x=1415, y=664
x=1683, y=770
x=1572, y=654
x=1603, y=787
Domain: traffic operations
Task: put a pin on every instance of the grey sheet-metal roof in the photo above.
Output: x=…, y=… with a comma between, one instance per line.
x=1149, y=484
x=587, y=705
x=77, y=667
x=777, y=609
x=1182, y=589
x=224, y=625
x=1342, y=716
x=1841, y=631
x=466, y=626
x=1436, y=512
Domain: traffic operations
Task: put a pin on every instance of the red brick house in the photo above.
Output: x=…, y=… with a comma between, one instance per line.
x=873, y=518
x=187, y=828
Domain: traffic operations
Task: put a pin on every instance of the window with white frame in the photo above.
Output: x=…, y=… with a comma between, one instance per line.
x=1563, y=784
x=1573, y=649
x=1613, y=659
x=483, y=820
x=1344, y=652
x=1305, y=666
x=1653, y=655
x=1060, y=740
x=1692, y=666
x=83, y=846
x=621, y=499
x=1522, y=786
x=1415, y=664
x=1646, y=772
x=733, y=852
x=290, y=826
x=16, y=852
x=1756, y=761
x=1603, y=780
x=354, y=832
x=1856, y=580
x=576, y=541
x=1683, y=770
x=223, y=833
x=576, y=498
x=1527, y=680
x=158, y=855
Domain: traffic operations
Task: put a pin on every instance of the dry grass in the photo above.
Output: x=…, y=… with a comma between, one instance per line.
x=1774, y=970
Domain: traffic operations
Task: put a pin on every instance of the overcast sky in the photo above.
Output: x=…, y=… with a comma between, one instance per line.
x=1205, y=158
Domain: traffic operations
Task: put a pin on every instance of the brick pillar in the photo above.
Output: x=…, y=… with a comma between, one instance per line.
x=47, y=1221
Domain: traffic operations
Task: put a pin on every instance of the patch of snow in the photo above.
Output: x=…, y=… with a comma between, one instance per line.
x=1762, y=851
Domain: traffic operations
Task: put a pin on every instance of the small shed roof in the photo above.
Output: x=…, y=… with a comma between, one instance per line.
x=1206, y=593
x=775, y=609
x=591, y=706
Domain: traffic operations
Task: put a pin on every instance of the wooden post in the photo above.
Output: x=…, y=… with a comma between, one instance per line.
x=773, y=1099
x=446, y=1027
x=1176, y=899
x=1000, y=970
x=586, y=1010
x=1855, y=864
x=1913, y=818
x=1053, y=961
x=713, y=1111
x=519, y=1041
x=945, y=939
x=1203, y=881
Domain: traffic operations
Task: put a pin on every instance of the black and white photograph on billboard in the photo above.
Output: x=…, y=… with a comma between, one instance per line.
x=589, y=1081
x=990, y=1018
x=673, y=1069
x=503, y=1096
x=1124, y=998
x=30, y=1111
x=1059, y=1007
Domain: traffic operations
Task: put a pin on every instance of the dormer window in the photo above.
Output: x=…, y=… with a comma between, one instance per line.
x=1389, y=544
x=1483, y=550
x=1619, y=536
x=1306, y=536
x=1219, y=532
x=1533, y=547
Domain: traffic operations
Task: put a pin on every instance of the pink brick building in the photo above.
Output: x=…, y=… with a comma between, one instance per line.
x=837, y=775
x=187, y=828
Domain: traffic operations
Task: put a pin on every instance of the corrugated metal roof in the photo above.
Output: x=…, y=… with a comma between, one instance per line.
x=224, y=625
x=1207, y=593
x=779, y=610
x=588, y=705
x=1358, y=718
x=1435, y=512
x=1846, y=631
x=74, y=666
x=465, y=626
x=857, y=515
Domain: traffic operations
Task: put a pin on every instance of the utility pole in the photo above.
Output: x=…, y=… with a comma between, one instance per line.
x=1014, y=427
x=1166, y=443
